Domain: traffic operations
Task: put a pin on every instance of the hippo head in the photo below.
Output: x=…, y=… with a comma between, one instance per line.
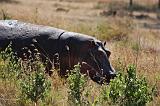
x=96, y=62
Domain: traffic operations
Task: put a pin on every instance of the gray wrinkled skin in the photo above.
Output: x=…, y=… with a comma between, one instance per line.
x=71, y=48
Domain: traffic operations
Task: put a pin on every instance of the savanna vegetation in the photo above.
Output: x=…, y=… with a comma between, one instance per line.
x=132, y=35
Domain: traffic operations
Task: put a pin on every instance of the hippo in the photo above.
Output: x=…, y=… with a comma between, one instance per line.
x=59, y=46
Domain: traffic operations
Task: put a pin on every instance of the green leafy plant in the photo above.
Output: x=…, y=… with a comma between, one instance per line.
x=35, y=85
x=76, y=83
x=10, y=65
x=128, y=90
x=28, y=76
x=10, y=70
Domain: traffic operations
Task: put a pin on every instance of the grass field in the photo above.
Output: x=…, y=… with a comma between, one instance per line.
x=132, y=40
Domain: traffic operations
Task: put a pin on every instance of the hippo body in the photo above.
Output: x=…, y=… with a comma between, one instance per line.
x=71, y=47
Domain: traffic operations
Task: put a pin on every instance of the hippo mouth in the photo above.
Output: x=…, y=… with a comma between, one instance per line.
x=103, y=79
x=97, y=77
x=108, y=78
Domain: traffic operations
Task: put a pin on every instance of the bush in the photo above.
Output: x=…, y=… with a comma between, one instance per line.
x=28, y=76
x=76, y=85
x=10, y=67
x=35, y=85
x=128, y=90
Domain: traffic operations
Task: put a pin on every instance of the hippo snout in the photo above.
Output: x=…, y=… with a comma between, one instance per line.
x=110, y=76
x=113, y=75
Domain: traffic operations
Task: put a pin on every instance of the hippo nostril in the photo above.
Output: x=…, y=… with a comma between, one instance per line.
x=113, y=76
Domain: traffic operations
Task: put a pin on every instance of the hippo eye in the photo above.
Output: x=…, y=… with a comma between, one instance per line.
x=100, y=54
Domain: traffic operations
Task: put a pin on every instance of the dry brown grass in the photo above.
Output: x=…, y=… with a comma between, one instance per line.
x=142, y=46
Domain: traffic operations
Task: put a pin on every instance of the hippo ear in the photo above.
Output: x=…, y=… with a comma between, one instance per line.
x=107, y=52
x=87, y=45
x=104, y=43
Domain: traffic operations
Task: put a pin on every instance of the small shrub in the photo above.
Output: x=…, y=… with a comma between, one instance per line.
x=128, y=90
x=28, y=76
x=35, y=86
x=76, y=85
x=10, y=67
